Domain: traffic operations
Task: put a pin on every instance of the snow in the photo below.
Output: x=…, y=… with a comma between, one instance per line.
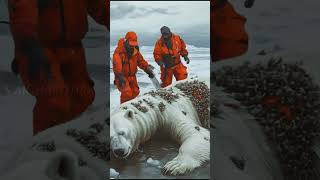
x=114, y=173
x=153, y=162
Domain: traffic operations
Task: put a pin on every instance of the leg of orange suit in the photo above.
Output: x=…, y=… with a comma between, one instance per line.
x=52, y=99
x=77, y=78
x=180, y=72
x=134, y=86
x=125, y=90
x=166, y=77
x=46, y=113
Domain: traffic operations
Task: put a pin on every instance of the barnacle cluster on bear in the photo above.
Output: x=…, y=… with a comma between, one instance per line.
x=286, y=102
x=149, y=103
x=199, y=94
x=167, y=94
x=139, y=106
x=89, y=139
x=48, y=146
x=124, y=107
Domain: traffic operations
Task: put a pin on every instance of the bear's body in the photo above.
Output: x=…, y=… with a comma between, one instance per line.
x=182, y=110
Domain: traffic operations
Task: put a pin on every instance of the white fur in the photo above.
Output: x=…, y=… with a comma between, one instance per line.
x=130, y=127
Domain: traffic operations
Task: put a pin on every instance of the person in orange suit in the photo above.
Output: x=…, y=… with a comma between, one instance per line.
x=167, y=52
x=229, y=38
x=50, y=58
x=126, y=60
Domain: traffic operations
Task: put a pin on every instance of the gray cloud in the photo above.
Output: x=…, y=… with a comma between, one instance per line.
x=198, y=35
x=119, y=12
x=132, y=11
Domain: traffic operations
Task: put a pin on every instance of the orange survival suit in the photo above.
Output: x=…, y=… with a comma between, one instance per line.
x=167, y=52
x=49, y=56
x=126, y=59
x=229, y=38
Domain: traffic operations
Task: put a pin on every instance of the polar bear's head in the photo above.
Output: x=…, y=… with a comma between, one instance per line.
x=122, y=133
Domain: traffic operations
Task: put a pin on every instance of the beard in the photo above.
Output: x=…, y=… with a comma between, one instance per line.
x=129, y=49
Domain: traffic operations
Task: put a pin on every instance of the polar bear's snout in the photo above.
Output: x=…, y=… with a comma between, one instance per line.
x=120, y=146
x=119, y=152
x=122, y=136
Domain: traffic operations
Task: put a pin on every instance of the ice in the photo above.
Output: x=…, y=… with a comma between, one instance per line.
x=113, y=173
x=153, y=162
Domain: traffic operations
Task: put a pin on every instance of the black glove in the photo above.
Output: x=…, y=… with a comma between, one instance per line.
x=186, y=58
x=149, y=71
x=14, y=67
x=161, y=64
x=121, y=79
x=36, y=59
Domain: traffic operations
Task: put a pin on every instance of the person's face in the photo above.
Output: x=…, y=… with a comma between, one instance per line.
x=128, y=46
x=166, y=36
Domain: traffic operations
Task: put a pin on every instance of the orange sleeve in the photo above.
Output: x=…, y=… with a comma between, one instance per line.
x=23, y=16
x=157, y=52
x=142, y=63
x=99, y=11
x=116, y=62
x=184, y=51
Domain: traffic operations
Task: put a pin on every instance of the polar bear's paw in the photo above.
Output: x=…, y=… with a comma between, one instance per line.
x=180, y=166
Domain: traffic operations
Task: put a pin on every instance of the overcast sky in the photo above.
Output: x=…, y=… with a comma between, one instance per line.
x=190, y=19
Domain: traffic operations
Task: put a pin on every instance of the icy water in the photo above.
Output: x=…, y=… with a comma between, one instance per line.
x=163, y=150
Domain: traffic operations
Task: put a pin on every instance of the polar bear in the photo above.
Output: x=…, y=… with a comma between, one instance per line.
x=181, y=109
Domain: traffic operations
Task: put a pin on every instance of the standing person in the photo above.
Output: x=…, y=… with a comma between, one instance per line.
x=49, y=56
x=126, y=60
x=167, y=52
x=229, y=37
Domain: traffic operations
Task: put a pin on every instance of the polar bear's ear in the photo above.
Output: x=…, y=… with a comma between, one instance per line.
x=129, y=114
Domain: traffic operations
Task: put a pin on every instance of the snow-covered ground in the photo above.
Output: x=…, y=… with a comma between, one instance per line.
x=286, y=28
